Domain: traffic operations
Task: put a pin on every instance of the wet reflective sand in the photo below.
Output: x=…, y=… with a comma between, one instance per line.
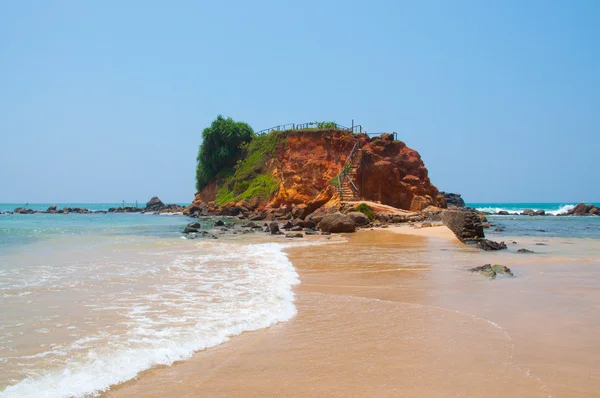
x=387, y=314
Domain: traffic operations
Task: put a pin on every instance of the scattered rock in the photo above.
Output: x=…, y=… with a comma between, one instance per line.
x=51, y=209
x=503, y=213
x=540, y=244
x=274, y=228
x=492, y=270
x=525, y=251
x=584, y=210
x=540, y=213
x=528, y=212
x=218, y=223
x=309, y=231
x=294, y=235
x=490, y=245
x=499, y=229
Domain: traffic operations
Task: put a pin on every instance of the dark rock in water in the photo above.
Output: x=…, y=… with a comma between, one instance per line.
x=309, y=231
x=525, y=251
x=540, y=213
x=358, y=218
x=499, y=229
x=489, y=245
x=288, y=225
x=154, y=204
x=274, y=228
x=492, y=270
x=466, y=225
x=584, y=210
x=51, y=209
x=192, y=227
x=528, y=212
x=22, y=210
x=514, y=243
x=297, y=228
x=337, y=223
x=503, y=213
x=453, y=199
x=540, y=244
x=294, y=235
x=218, y=223
x=250, y=225
x=542, y=230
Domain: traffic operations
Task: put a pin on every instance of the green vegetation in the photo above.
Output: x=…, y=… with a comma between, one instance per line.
x=221, y=146
x=319, y=126
x=366, y=210
x=248, y=179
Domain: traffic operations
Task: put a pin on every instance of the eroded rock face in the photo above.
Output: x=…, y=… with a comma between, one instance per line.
x=337, y=223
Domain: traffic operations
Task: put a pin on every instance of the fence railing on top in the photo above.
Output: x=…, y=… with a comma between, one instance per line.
x=313, y=125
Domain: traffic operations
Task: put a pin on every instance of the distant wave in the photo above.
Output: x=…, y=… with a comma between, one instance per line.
x=562, y=209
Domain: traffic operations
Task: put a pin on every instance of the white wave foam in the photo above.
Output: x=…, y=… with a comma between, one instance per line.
x=495, y=210
x=220, y=292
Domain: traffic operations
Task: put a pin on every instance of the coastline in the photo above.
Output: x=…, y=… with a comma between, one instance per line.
x=394, y=312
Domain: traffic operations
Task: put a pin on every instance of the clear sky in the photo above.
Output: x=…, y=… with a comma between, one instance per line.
x=104, y=101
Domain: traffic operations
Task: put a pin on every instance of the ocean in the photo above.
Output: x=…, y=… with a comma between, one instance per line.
x=91, y=300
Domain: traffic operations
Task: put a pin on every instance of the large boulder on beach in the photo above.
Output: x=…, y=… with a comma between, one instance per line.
x=466, y=225
x=154, y=204
x=490, y=245
x=358, y=218
x=337, y=222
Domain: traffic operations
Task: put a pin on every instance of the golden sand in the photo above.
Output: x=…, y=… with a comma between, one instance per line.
x=394, y=313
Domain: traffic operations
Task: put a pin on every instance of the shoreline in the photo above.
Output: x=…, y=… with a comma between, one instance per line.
x=358, y=331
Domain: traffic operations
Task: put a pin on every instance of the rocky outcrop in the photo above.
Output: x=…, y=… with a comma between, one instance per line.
x=337, y=222
x=583, y=209
x=306, y=162
x=453, y=200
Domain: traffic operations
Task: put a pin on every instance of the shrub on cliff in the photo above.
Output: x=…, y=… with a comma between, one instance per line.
x=366, y=210
x=220, y=148
x=250, y=178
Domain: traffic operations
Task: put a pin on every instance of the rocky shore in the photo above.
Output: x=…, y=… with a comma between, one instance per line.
x=154, y=205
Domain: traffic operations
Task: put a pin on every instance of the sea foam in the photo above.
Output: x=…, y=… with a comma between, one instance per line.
x=205, y=297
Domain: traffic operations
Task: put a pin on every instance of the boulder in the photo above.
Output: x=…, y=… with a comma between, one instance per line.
x=337, y=222
x=218, y=223
x=492, y=270
x=466, y=225
x=420, y=202
x=525, y=251
x=358, y=218
x=154, y=204
x=528, y=212
x=503, y=213
x=584, y=210
x=540, y=213
x=274, y=228
x=51, y=209
x=453, y=199
x=294, y=235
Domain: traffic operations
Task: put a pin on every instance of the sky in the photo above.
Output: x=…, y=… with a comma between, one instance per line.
x=106, y=101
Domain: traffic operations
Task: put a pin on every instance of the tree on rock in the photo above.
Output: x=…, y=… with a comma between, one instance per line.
x=220, y=148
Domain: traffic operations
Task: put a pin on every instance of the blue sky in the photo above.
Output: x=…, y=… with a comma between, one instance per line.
x=105, y=101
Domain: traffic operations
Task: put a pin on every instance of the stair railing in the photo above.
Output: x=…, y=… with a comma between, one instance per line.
x=346, y=169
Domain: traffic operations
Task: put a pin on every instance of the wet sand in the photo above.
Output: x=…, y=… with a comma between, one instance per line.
x=395, y=313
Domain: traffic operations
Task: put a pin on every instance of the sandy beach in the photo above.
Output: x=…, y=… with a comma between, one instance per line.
x=393, y=312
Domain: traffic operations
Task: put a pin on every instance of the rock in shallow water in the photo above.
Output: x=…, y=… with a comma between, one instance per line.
x=492, y=270
x=489, y=245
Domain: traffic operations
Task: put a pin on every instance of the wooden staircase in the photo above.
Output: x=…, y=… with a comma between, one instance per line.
x=348, y=190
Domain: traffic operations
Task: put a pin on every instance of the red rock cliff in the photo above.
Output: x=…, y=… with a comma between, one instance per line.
x=307, y=161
